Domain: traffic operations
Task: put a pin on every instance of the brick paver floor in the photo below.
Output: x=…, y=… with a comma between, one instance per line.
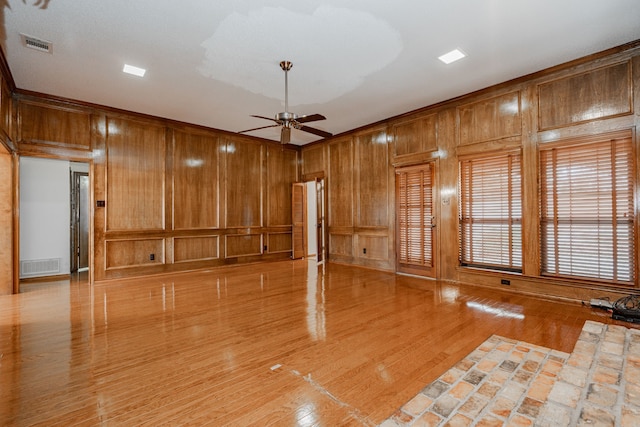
x=505, y=382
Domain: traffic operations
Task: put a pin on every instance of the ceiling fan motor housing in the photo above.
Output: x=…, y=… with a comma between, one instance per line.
x=286, y=116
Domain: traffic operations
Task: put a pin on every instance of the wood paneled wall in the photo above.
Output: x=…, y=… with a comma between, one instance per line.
x=167, y=196
x=197, y=197
x=8, y=171
x=6, y=221
x=590, y=96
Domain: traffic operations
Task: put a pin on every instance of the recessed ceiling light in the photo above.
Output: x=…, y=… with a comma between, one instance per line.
x=136, y=71
x=452, y=56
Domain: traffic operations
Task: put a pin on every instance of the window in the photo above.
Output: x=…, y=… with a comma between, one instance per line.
x=587, y=210
x=491, y=212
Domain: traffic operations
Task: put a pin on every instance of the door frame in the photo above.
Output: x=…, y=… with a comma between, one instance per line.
x=321, y=196
x=76, y=211
x=424, y=271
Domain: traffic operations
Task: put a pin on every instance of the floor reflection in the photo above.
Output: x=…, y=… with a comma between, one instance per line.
x=316, y=320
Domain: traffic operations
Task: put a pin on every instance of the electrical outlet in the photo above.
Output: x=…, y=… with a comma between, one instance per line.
x=152, y=257
x=364, y=250
x=505, y=282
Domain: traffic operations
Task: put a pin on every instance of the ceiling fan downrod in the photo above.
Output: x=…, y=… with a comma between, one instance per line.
x=286, y=66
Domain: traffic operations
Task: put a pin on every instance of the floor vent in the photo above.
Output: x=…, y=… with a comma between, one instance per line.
x=39, y=267
x=37, y=44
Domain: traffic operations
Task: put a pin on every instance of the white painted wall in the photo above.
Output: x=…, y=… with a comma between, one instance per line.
x=44, y=210
x=312, y=219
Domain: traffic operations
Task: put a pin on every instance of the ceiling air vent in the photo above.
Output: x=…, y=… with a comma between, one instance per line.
x=37, y=44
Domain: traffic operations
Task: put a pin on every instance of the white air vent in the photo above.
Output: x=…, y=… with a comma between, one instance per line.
x=37, y=44
x=39, y=267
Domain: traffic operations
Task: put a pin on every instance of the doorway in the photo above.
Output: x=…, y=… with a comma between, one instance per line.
x=79, y=221
x=47, y=215
x=415, y=242
x=309, y=220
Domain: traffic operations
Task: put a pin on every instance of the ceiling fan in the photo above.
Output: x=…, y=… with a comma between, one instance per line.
x=290, y=120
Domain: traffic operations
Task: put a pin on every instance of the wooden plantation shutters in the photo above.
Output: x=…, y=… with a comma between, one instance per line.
x=490, y=212
x=414, y=213
x=587, y=209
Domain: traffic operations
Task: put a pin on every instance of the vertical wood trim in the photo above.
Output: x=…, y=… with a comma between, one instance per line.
x=169, y=151
x=530, y=189
x=99, y=184
x=448, y=194
x=16, y=222
x=7, y=208
x=635, y=67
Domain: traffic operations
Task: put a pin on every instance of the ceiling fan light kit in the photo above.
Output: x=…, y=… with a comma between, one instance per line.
x=289, y=120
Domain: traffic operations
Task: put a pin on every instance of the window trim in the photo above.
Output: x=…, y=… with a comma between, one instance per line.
x=488, y=266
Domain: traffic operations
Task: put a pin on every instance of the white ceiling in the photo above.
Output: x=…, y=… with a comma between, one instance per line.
x=214, y=63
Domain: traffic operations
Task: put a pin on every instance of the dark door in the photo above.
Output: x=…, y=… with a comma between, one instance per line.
x=79, y=221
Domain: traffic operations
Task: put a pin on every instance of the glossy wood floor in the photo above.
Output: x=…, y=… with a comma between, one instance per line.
x=287, y=343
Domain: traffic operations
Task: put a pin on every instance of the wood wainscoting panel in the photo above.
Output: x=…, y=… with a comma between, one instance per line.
x=281, y=173
x=243, y=184
x=596, y=94
x=195, y=248
x=48, y=124
x=372, y=169
x=135, y=175
x=279, y=242
x=196, y=181
x=340, y=183
x=133, y=252
x=490, y=119
x=340, y=245
x=243, y=245
x=373, y=247
x=416, y=135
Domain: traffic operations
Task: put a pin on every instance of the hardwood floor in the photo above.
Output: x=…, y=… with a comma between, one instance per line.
x=287, y=343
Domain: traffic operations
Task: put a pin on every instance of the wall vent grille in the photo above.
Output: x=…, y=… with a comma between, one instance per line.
x=39, y=267
x=37, y=44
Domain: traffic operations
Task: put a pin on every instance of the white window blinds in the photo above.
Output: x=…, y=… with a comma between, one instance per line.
x=587, y=210
x=491, y=212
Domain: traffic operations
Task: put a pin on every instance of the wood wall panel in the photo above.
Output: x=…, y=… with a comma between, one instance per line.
x=281, y=173
x=372, y=169
x=341, y=245
x=135, y=175
x=5, y=110
x=244, y=185
x=313, y=159
x=415, y=135
x=194, y=248
x=373, y=247
x=6, y=222
x=196, y=181
x=490, y=119
x=340, y=184
x=133, y=252
x=243, y=245
x=53, y=125
x=591, y=95
x=279, y=242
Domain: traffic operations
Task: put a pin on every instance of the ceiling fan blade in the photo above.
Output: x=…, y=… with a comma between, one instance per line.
x=310, y=118
x=285, y=135
x=266, y=118
x=261, y=127
x=315, y=131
